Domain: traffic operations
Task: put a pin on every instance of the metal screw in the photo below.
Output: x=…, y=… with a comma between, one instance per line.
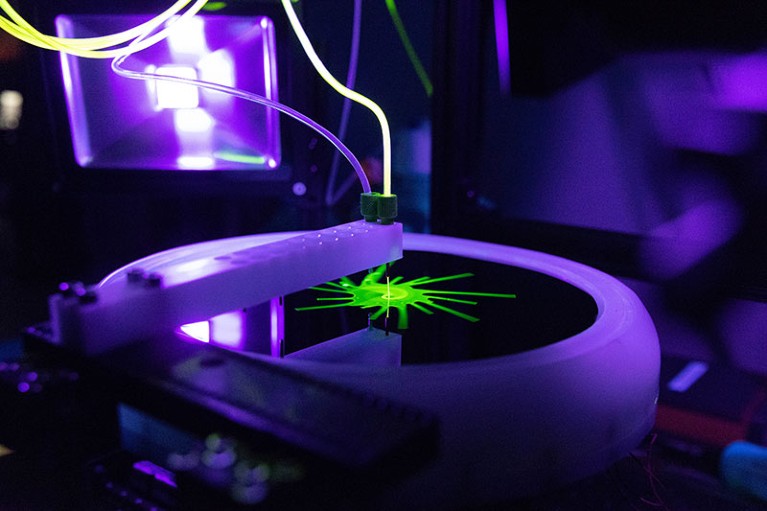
x=153, y=280
x=135, y=275
x=70, y=289
x=87, y=296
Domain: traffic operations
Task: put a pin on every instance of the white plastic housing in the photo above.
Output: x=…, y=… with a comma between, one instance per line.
x=204, y=285
x=514, y=425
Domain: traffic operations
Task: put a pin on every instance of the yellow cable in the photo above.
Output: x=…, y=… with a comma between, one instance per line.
x=344, y=91
x=94, y=47
x=133, y=48
x=96, y=42
x=100, y=42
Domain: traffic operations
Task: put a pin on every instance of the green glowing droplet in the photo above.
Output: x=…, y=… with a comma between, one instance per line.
x=393, y=293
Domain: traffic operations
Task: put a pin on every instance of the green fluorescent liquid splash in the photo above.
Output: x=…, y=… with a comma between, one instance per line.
x=377, y=292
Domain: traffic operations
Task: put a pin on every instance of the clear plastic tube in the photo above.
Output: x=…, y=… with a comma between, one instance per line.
x=353, y=95
x=255, y=98
x=332, y=196
x=141, y=37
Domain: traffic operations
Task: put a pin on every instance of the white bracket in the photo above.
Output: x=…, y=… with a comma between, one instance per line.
x=133, y=307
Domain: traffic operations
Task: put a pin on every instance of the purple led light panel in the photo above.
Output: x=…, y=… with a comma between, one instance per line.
x=121, y=123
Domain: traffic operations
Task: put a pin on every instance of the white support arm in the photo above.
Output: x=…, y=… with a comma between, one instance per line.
x=134, y=308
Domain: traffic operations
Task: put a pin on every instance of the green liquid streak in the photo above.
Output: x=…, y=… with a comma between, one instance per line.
x=412, y=55
x=372, y=293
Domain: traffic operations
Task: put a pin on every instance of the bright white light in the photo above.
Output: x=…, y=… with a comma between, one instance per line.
x=217, y=67
x=10, y=109
x=188, y=37
x=176, y=95
x=11, y=99
x=195, y=162
x=272, y=163
x=192, y=120
x=229, y=329
x=193, y=268
x=268, y=78
x=199, y=330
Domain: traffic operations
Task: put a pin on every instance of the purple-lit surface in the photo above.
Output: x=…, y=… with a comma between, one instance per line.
x=741, y=81
x=156, y=472
x=368, y=347
x=188, y=290
x=276, y=325
x=228, y=329
x=612, y=151
x=242, y=329
x=588, y=399
x=130, y=124
x=679, y=244
x=502, y=45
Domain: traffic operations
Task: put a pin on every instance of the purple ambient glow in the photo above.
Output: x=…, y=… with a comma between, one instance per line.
x=741, y=82
x=276, y=326
x=160, y=474
x=502, y=45
x=679, y=244
x=158, y=125
x=240, y=330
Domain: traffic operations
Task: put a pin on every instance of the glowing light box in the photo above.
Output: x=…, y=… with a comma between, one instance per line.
x=120, y=123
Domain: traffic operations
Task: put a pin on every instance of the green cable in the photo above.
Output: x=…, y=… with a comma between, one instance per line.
x=412, y=55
